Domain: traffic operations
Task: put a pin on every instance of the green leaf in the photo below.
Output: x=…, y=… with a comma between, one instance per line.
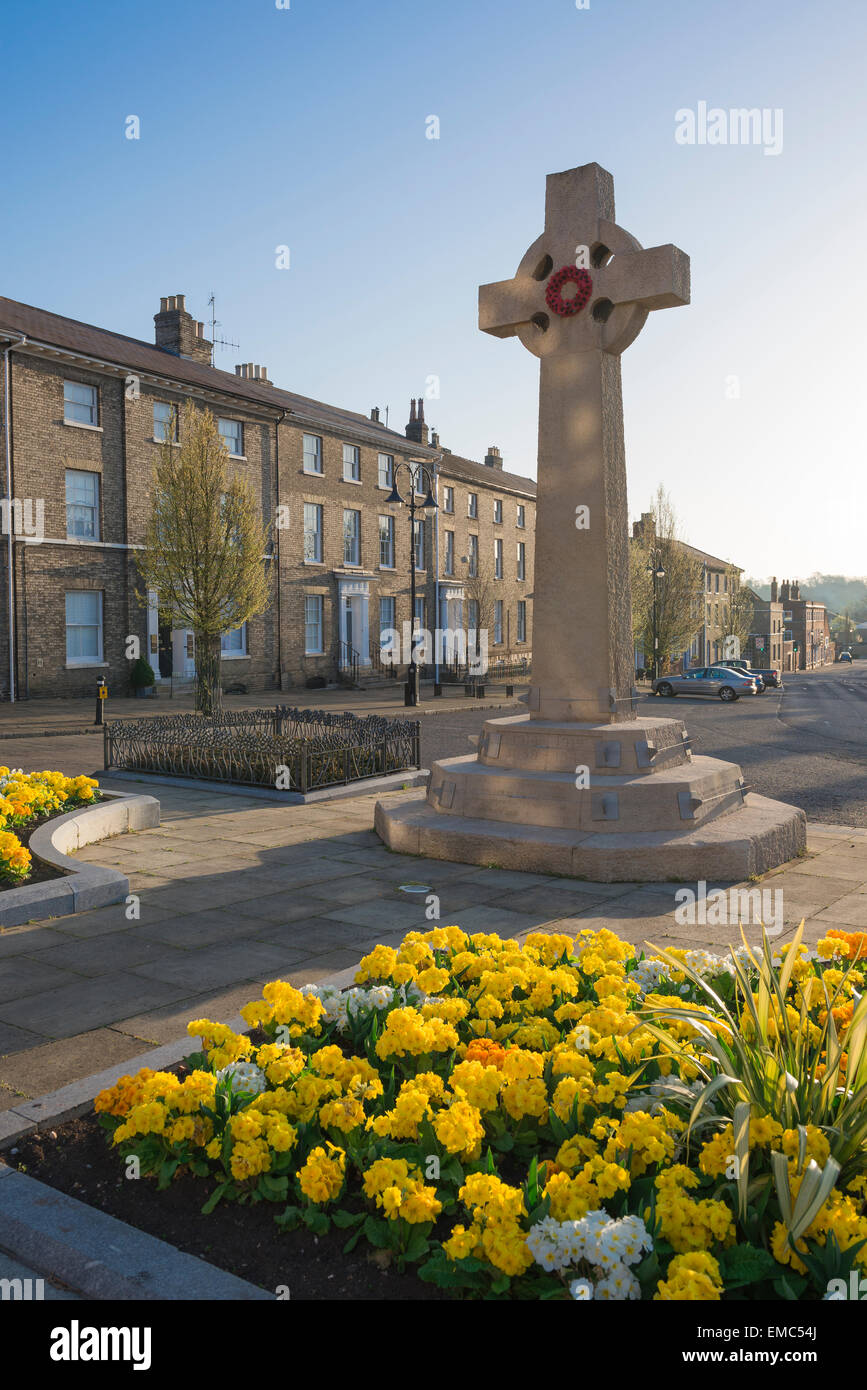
x=344, y=1219
x=167, y=1172
x=790, y=1286
x=273, y=1189
x=316, y=1221
x=289, y=1218
x=216, y=1196
x=745, y=1264
x=418, y=1244
x=377, y=1232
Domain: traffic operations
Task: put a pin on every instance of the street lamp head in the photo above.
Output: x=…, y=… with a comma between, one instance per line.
x=394, y=499
x=429, y=503
x=660, y=573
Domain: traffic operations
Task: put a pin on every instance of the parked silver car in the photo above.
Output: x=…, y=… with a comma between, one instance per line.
x=708, y=680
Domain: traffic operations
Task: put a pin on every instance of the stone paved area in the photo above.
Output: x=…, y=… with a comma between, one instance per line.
x=234, y=892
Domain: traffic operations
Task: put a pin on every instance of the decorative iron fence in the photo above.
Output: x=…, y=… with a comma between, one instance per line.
x=291, y=749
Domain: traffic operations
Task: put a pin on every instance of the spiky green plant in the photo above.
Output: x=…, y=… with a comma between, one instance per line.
x=755, y=1058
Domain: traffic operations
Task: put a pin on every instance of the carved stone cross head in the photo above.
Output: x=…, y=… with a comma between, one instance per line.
x=557, y=302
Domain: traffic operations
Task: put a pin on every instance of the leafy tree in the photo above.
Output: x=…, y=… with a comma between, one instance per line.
x=204, y=546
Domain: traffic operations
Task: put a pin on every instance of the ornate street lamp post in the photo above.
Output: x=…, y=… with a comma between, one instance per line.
x=420, y=475
x=655, y=568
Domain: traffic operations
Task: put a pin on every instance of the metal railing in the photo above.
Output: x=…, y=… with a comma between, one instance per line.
x=348, y=661
x=290, y=749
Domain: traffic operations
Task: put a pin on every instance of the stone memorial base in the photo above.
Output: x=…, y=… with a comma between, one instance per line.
x=623, y=802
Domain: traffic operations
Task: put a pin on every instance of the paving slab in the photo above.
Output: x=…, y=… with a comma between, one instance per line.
x=58, y=1013
x=56, y=1064
x=20, y=977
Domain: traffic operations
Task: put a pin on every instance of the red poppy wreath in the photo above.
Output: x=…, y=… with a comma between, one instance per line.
x=570, y=274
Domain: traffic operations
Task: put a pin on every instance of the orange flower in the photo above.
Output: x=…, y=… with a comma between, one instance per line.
x=854, y=941
x=487, y=1051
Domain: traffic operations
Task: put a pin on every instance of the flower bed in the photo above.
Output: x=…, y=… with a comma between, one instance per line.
x=558, y=1119
x=28, y=797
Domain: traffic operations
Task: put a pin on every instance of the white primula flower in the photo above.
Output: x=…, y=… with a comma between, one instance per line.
x=618, y=1285
x=380, y=996
x=243, y=1076
x=581, y=1290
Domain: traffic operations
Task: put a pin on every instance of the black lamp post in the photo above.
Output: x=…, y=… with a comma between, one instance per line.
x=655, y=568
x=419, y=473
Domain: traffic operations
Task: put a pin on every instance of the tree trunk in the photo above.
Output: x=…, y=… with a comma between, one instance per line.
x=209, y=691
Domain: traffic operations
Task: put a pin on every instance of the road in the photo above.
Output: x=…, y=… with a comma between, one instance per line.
x=806, y=744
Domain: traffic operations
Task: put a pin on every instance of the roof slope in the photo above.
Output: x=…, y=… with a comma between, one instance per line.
x=90, y=341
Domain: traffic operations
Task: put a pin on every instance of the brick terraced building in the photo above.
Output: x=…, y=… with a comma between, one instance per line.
x=83, y=412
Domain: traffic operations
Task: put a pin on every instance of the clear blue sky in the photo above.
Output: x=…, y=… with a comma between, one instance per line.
x=306, y=127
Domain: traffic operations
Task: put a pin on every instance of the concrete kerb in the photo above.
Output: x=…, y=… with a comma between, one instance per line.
x=86, y=885
x=392, y=782
x=97, y=1255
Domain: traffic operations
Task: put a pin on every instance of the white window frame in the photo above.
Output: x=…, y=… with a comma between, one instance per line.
x=390, y=622
x=498, y=557
x=172, y=417
x=389, y=520
x=317, y=533
x=356, y=537
x=521, y=519
x=522, y=560
x=473, y=505
x=449, y=500
x=352, y=460
x=238, y=639
x=521, y=623
x=91, y=407
x=385, y=467
x=498, y=622
x=318, y=602
x=498, y=511
x=93, y=508
x=317, y=455
x=239, y=427
x=449, y=552
x=418, y=543
x=89, y=660
x=472, y=556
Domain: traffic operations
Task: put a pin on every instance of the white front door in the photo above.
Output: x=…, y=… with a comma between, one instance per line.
x=183, y=653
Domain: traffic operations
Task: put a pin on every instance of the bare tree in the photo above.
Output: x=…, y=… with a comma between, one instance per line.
x=736, y=614
x=678, y=617
x=205, y=545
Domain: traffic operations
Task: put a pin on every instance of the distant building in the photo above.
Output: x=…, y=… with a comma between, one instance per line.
x=766, y=642
x=711, y=596
x=805, y=625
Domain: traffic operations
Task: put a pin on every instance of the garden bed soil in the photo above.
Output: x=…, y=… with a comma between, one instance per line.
x=75, y=1158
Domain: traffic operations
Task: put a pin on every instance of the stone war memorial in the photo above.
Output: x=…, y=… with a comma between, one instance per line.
x=582, y=785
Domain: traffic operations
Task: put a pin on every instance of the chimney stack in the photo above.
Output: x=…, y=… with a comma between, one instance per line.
x=175, y=330
x=492, y=457
x=374, y=414
x=416, y=430
x=251, y=371
x=774, y=590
